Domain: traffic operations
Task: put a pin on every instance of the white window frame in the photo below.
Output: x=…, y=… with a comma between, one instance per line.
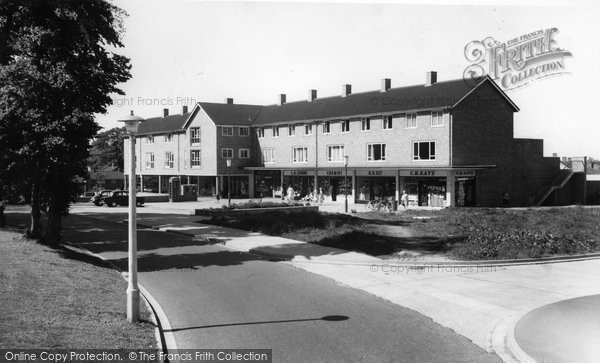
x=150, y=160
x=194, y=160
x=228, y=133
x=246, y=132
x=275, y=131
x=268, y=154
x=300, y=158
x=169, y=138
x=439, y=116
x=241, y=152
x=195, y=134
x=169, y=160
x=345, y=126
x=326, y=127
x=416, y=156
x=260, y=132
x=411, y=121
x=365, y=124
x=225, y=152
x=308, y=128
x=341, y=152
x=291, y=130
x=387, y=123
x=150, y=139
x=370, y=152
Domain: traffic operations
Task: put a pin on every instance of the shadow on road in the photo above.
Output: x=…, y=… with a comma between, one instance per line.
x=325, y=318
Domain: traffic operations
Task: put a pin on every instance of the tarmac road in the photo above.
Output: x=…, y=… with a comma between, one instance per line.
x=218, y=298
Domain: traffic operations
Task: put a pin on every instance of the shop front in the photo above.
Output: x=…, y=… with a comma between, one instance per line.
x=267, y=183
x=301, y=181
x=239, y=186
x=438, y=188
x=375, y=185
x=425, y=188
x=333, y=186
x=207, y=186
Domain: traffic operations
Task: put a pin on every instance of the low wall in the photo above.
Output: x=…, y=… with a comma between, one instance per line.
x=288, y=210
x=156, y=198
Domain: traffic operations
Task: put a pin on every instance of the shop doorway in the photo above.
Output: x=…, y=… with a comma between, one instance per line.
x=465, y=192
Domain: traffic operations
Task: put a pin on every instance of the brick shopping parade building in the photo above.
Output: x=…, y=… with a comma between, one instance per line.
x=445, y=143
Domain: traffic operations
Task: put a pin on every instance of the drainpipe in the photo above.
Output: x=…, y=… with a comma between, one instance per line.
x=316, y=157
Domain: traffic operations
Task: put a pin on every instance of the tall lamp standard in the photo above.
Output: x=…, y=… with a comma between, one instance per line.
x=133, y=293
x=346, y=157
x=229, y=181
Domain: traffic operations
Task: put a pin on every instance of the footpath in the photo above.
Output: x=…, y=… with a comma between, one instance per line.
x=483, y=302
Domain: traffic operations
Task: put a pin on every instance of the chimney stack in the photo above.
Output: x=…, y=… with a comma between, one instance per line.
x=229, y=101
x=346, y=90
x=281, y=99
x=165, y=112
x=184, y=110
x=312, y=95
x=431, y=78
x=386, y=84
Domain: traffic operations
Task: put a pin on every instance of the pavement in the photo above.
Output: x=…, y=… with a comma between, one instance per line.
x=483, y=302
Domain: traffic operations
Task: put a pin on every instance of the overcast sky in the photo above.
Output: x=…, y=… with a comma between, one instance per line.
x=186, y=51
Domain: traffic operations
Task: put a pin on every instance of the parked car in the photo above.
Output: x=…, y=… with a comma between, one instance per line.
x=121, y=197
x=97, y=198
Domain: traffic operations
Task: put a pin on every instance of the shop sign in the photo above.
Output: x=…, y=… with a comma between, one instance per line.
x=422, y=173
x=375, y=173
x=298, y=172
x=464, y=173
x=330, y=173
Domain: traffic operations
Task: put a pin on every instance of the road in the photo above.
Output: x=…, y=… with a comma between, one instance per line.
x=219, y=298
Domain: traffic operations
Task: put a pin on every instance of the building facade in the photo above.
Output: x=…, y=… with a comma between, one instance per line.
x=445, y=143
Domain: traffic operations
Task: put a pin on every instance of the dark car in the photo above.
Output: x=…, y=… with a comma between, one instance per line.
x=121, y=197
x=97, y=198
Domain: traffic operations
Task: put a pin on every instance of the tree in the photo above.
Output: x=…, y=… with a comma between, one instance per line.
x=56, y=71
x=107, y=149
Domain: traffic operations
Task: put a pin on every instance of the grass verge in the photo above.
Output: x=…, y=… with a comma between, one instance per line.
x=60, y=299
x=461, y=233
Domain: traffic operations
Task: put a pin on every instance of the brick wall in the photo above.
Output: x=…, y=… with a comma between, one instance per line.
x=482, y=134
x=398, y=140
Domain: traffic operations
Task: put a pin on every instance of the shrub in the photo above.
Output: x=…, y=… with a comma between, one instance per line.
x=487, y=243
x=253, y=205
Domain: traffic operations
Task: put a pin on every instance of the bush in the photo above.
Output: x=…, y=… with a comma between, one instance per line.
x=253, y=205
x=486, y=243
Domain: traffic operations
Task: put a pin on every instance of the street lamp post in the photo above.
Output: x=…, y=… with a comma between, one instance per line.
x=346, y=183
x=133, y=293
x=229, y=181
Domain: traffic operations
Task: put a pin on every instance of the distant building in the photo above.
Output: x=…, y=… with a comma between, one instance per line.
x=446, y=143
x=108, y=178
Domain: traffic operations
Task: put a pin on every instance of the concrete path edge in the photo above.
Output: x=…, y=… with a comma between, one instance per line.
x=504, y=342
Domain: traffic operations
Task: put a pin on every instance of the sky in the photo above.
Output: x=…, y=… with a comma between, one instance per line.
x=187, y=51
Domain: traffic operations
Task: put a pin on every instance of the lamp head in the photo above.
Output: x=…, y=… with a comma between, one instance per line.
x=228, y=163
x=346, y=157
x=132, y=123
